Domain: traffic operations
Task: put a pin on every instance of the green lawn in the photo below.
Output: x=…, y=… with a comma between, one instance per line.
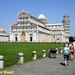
x=10, y=51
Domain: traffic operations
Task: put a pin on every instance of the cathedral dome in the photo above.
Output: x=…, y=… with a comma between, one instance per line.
x=41, y=17
x=2, y=30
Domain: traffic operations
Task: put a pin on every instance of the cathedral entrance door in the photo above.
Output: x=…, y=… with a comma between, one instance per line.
x=15, y=39
x=31, y=38
x=23, y=37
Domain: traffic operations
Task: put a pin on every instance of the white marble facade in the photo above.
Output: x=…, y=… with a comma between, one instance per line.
x=3, y=36
x=31, y=29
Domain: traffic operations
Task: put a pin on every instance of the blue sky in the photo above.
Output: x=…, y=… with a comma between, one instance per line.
x=54, y=10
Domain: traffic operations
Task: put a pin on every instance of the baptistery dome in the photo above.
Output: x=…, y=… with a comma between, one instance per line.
x=2, y=30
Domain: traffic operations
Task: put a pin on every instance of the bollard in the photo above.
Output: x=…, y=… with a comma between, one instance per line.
x=1, y=62
x=43, y=53
x=61, y=50
x=20, y=58
x=57, y=50
x=34, y=56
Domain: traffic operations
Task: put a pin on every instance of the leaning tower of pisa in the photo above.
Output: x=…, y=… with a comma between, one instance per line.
x=66, y=25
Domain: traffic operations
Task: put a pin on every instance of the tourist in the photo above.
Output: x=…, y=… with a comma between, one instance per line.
x=71, y=48
x=66, y=55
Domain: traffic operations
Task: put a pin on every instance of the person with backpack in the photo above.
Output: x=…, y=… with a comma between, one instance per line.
x=66, y=55
x=71, y=48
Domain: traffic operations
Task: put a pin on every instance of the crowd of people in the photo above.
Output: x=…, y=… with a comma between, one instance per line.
x=69, y=52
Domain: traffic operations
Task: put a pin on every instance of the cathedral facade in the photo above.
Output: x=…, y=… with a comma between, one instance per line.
x=31, y=29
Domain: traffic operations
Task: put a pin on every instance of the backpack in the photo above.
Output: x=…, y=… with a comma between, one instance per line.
x=71, y=48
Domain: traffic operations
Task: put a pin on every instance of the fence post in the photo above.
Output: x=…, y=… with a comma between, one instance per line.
x=34, y=55
x=57, y=50
x=43, y=53
x=20, y=58
x=61, y=50
x=1, y=62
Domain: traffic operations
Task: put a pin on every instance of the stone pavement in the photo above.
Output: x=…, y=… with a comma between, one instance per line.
x=46, y=66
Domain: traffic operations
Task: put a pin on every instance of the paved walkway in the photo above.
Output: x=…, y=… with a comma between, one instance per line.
x=46, y=66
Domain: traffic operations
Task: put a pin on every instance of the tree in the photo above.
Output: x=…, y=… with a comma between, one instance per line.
x=70, y=39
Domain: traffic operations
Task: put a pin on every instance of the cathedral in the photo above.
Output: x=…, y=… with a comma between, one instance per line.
x=31, y=29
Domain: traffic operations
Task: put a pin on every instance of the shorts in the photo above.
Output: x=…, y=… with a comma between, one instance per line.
x=66, y=57
x=72, y=53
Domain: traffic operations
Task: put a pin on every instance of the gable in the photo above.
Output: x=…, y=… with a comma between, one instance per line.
x=23, y=14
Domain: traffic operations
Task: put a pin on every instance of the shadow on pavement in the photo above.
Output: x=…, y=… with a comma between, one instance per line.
x=62, y=64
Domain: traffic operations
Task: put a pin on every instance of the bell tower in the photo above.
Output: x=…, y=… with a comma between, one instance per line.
x=66, y=25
